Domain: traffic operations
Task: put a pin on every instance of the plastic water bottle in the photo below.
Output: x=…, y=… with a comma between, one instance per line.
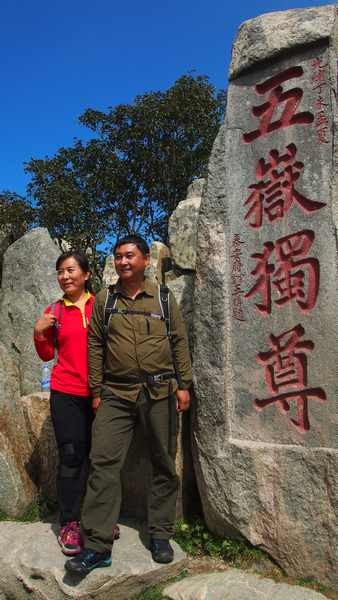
x=45, y=377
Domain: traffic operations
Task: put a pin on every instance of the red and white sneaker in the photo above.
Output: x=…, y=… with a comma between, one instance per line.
x=70, y=539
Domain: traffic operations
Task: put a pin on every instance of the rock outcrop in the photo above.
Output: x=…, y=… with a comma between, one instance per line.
x=17, y=490
x=266, y=325
x=236, y=585
x=183, y=227
x=28, y=286
x=43, y=457
x=32, y=566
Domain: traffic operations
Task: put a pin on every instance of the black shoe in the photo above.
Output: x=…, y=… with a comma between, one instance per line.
x=87, y=561
x=161, y=550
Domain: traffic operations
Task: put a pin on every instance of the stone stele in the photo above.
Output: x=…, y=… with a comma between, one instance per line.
x=266, y=314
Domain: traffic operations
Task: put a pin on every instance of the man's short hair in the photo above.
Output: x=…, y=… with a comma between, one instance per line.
x=133, y=239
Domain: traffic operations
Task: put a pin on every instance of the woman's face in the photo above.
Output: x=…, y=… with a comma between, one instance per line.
x=72, y=279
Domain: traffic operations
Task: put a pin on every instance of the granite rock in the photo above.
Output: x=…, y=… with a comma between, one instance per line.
x=32, y=566
x=28, y=286
x=265, y=441
x=182, y=228
x=44, y=454
x=236, y=585
x=17, y=489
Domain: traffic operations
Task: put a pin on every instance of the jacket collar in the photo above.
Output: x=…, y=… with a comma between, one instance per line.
x=148, y=288
x=68, y=302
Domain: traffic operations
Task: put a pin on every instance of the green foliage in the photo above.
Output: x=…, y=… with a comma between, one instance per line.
x=36, y=511
x=155, y=592
x=3, y=516
x=135, y=170
x=311, y=583
x=16, y=215
x=196, y=540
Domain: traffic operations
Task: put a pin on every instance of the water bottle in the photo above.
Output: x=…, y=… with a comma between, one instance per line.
x=45, y=377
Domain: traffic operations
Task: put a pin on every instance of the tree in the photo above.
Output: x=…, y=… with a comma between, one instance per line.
x=132, y=174
x=16, y=215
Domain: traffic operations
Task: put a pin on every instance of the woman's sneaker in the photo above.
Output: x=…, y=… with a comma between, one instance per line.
x=69, y=538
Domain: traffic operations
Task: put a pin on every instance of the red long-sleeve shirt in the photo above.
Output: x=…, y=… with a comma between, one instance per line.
x=70, y=373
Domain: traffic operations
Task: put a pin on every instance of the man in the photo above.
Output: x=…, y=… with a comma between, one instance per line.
x=136, y=373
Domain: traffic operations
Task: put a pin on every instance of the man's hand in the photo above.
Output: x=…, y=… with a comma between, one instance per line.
x=182, y=400
x=96, y=403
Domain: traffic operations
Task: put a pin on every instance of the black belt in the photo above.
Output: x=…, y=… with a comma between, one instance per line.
x=156, y=379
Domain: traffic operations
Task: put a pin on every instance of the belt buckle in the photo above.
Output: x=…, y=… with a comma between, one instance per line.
x=157, y=379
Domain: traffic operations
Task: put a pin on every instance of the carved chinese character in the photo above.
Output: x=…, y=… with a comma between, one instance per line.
x=275, y=190
x=321, y=119
x=294, y=276
x=286, y=367
x=291, y=99
x=322, y=135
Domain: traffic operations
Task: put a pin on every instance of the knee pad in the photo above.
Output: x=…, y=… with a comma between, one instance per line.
x=71, y=457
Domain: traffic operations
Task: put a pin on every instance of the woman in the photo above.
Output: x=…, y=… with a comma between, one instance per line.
x=64, y=327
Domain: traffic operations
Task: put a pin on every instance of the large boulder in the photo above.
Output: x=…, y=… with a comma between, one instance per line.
x=17, y=489
x=236, y=585
x=266, y=325
x=183, y=227
x=28, y=285
x=44, y=454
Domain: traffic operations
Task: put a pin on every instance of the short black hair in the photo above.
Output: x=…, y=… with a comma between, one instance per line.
x=133, y=239
x=81, y=260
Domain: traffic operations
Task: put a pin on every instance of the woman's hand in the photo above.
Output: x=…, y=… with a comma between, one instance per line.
x=44, y=323
x=95, y=404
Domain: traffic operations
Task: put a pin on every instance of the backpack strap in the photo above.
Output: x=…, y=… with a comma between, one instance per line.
x=164, y=299
x=55, y=309
x=109, y=308
x=163, y=296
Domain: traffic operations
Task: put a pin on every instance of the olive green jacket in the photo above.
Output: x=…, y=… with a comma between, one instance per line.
x=136, y=345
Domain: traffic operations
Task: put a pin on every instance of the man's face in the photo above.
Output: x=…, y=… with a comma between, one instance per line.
x=130, y=263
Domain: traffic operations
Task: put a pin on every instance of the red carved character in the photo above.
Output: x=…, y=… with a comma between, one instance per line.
x=294, y=276
x=275, y=190
x=291, y=99
x=286, y=367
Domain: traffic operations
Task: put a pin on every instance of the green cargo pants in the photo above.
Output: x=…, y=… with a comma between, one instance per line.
x=111, y=437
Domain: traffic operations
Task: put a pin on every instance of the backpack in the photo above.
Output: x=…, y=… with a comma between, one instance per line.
x=163, y=296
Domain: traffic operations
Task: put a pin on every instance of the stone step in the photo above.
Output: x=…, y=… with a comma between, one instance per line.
x=32, y=566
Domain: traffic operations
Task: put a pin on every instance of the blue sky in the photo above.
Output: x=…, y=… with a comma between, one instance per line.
x=59, y=58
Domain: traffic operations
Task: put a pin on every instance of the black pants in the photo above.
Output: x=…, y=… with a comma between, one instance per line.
x=112, y=434
x=72, y=420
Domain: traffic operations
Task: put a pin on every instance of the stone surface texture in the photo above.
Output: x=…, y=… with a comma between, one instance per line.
x=159, y=253
x=236, y=585
x=28, y=286
x=183, y=227
x=16, y=487
x=272, y=34
x=109, y=276
x=43, y=459
x=32, y=566
x=265, y=436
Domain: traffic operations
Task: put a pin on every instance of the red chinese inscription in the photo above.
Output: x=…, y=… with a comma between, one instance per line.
x=319, y=81
x=266, y=111
x=275, y=191
x=286, y=370
x=293, y=276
